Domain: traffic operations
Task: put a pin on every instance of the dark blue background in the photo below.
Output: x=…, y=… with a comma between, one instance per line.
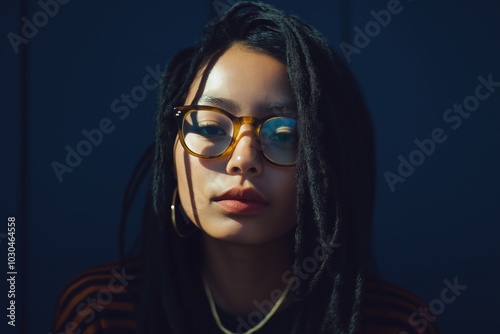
x=441, y=223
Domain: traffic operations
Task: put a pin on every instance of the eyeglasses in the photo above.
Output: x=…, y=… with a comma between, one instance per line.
x=209, y=132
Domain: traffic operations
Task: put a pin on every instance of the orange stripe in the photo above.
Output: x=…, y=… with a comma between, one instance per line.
x=121, y=306
x=119, y=323
x=378, y=329
x=393, y=300
x=388, y=314
x=401, y=291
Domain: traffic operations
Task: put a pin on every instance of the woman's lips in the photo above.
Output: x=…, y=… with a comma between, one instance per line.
x=241, y=201
x=241, y=206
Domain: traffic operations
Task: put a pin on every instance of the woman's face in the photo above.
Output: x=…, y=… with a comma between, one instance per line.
x=240, y=197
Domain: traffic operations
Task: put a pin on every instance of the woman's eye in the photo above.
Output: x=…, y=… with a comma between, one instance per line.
x=210, y=130
x=283, y=136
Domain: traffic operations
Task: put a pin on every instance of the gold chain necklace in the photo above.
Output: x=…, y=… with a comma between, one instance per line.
x=251, y=330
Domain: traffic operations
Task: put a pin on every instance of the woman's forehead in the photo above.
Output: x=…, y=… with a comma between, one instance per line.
x=243, y=78
x=275, y=106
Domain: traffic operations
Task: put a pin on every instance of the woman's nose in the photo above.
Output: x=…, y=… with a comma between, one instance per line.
x=246, y=156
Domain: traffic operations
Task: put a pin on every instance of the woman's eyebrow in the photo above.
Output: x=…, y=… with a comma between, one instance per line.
x=226, y=104
x=285, y=105
x=233, y=106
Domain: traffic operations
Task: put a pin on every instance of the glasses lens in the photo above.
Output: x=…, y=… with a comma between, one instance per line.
x=207, y=132
x=278, y=137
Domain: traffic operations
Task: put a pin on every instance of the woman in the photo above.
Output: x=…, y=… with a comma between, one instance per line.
x=260, y=207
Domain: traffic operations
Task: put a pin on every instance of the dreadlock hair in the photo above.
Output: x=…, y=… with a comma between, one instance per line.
x=335, y=175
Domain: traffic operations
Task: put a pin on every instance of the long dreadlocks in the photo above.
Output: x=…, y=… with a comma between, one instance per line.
x=335, y=179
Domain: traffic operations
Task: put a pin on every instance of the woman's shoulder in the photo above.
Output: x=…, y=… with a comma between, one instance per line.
x=98, y=299
x=393, y=309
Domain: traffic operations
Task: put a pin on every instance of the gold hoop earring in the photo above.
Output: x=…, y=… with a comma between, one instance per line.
x=173, y=213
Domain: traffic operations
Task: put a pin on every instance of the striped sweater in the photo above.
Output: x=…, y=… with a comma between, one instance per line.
x=102, y=300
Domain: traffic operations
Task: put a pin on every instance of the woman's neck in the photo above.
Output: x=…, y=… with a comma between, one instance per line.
x=240, y=276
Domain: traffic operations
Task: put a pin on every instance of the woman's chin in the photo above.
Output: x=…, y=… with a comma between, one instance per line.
x=244, y=233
